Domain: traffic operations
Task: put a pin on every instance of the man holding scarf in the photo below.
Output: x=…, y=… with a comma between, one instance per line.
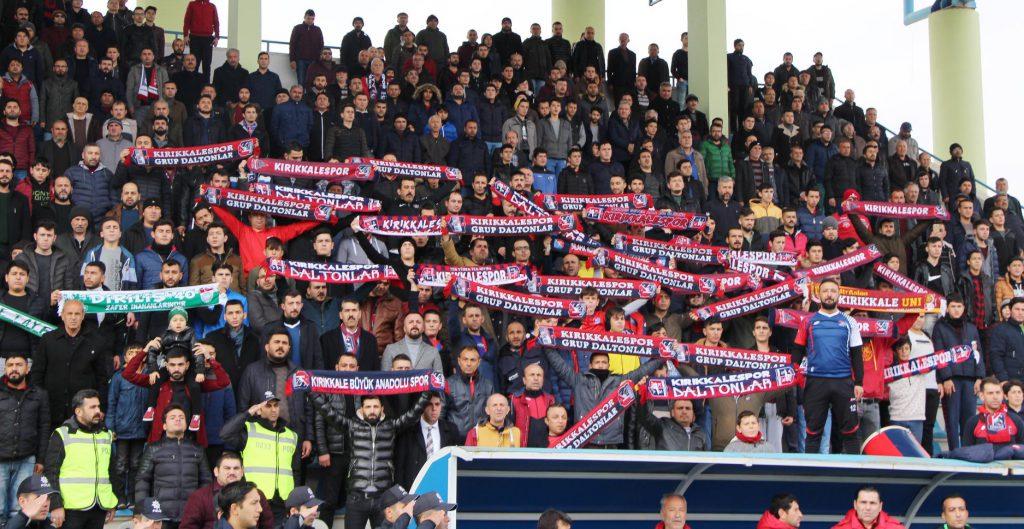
x=145, y=81
x=993, y=424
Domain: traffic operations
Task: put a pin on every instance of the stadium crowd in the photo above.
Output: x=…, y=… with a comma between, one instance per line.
x=176, y=400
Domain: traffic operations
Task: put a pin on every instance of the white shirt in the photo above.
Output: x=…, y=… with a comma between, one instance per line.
x=435, y=434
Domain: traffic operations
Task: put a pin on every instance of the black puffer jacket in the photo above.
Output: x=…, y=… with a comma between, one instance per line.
x=152, y=183
x=24, y=422
x=170, y=471
x=371, y=447
x=329, y=438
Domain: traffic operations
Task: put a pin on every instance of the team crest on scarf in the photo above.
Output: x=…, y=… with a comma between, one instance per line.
x=656, y=387
x=322, y=212
x=545, y=336
x=625, y=395
x=246, y=148
x=300, y=380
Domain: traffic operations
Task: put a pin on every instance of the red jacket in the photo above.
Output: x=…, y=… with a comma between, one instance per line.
x=884, y=521
x=251, y=243
x=19, y=141
x=769, y=521
x=661, y=525
x=200, y=513
x=201, y=19
x=525, y=407
x=218, y=380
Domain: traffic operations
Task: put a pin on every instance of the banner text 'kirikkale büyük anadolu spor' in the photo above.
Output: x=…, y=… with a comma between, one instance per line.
x=609, y=410
x=274, y=205
x=302, y=170
x=515, y=302
x=331, y=272
x=380, y=383
x=199, y=155
x=563, y=286
x=392, y=170
x=343, y=203
x=154, y=300
x=432, y=275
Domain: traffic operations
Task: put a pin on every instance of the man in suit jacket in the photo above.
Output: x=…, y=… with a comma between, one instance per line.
x=422, y=354
x=234, y=354
x=621, y=67
x=351, y=338
x=411, y=450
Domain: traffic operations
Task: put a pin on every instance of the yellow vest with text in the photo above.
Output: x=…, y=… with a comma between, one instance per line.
x=84, y=475
x=267, y=458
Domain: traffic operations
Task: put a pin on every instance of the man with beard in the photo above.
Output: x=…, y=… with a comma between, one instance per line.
x=14, y=206
x=350, y=338
x=91, y=182
x=174, y=455
x=153, y=324
x=78, y=462
x=271, y=374
x=200, y=511
x=373, y=440
x=783, y=513
x=25, y=428
x=422, y=354
x=304, y=334
x=273, y=460
x=79, y=238
x=831, y=342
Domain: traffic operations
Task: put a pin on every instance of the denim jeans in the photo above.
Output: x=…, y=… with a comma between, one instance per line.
x=300, y=71
x=679, y=92
x=915, y=427
x=555, y=165
x=12, y=473
x=958, y=408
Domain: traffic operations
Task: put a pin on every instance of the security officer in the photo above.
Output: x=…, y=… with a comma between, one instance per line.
x=78, y=465
x=268, y=450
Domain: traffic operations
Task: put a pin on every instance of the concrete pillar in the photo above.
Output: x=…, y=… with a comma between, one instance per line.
x=169, y=14
x=954, y=40
x=708, y=46
x=576, y=15
x=245, y=31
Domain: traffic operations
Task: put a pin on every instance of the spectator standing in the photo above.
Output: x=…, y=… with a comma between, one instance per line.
x=200, y=511
x=24, y=430
x=125, y=405
x=173, y=467
x=304, y=46
x=201, y=30
x=77, y=463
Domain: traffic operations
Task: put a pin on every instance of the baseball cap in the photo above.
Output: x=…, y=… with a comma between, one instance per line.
x=151, y=202
x=150, y=509
x=36, y=484
x=429, y=502
x=302, y=497
x=269, y=396
x=396, y=494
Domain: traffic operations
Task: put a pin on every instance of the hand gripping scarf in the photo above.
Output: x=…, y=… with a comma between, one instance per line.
x=380, y=383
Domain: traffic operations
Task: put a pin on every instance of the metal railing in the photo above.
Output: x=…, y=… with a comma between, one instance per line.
x=265, y=44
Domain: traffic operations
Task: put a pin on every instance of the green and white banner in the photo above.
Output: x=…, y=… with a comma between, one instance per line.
x=24, y=322
x=156, y=300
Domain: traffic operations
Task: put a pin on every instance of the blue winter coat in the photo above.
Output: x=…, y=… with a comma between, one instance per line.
x=126, y=403
x=1006, y=351
x=92, y=190
x=459, y=114
x=818, y=155
x=811, y=223
x=469, y=155
x=148, y=263
x=291, y=121
x=218, y=406
x=492, y=117
x=405, y=146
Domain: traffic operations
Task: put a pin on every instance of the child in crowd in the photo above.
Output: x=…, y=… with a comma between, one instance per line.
x=177, y=336
x=907, y=395
x=748, y=436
